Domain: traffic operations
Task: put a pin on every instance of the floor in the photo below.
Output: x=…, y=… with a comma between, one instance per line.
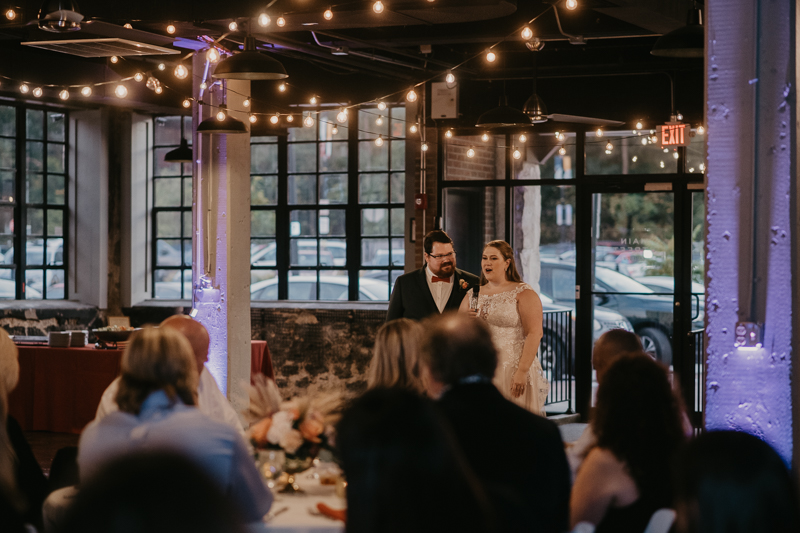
x=45, y=445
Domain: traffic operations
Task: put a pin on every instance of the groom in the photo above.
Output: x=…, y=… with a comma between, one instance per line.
x=437, y=287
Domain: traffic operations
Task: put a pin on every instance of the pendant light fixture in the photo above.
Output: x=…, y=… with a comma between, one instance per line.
x=181, y=154
x=59, y=16
x=503, y=116
x=228, y=124
x=684, y=42
x=250, y=64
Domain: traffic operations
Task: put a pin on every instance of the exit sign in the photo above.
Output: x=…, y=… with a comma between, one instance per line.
x=673, y=135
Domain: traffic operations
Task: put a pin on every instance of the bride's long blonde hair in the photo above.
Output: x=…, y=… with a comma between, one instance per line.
x=507, y=252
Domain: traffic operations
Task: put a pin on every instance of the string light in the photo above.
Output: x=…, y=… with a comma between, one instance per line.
x=516, y=154
x=645, y=141
x=691, y=169
x=281, y=22
x=378, y=7
x=181, y=72
x=490, y=56
x=675, y=155
x=411, y=96
x=11, y=14
x=328, y=14
x=114, y=59
x=485, y=137
x=233, y=26
x=448, y=134
x=290, y=118
x=121, y=91
x=527, y=34
x=161, y=66
x=24, y=89
x=171, y=29
x=559, y=136
x=335, y=130
x=127, y=26
x=661, y=164
x=562, y=151
x=308, y=121
x=382, y=105
x=666, y=150
x=212, y=55
x=275, y=118
x=37, y=92
x=282, y=87
x=158, y=89
x=342, y=116
x=64, y=94
x=203, y=85
x=86, y=91
x=599, y=132
x=379, y=121
x=246, y=102
x=700, y=130
x=639, y=125
x=187, y=103
x=252, y=118
x=609, y=146
x=379, y=141
x=471, y=153
x=264, y=20
x=523, y=138
x=138, y=76
x=634, y=159
x=679, y=116
x=450, y=79
x=313, y=100
x=413, y=128
x=221, y=115
x=424, y=147
x=702, y=167
x=571, y=4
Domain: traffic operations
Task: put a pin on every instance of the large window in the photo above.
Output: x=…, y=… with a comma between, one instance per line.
x=33, y=212
x=172, y=212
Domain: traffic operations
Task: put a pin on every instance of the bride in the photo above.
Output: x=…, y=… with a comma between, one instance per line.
x=513, y=311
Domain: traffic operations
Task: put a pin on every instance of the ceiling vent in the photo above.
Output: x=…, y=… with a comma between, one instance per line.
x=104, y=47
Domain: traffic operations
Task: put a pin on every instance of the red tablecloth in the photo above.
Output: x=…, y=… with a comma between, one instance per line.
x=59, y=388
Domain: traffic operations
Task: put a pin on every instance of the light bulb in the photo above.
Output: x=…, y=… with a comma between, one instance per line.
x=702, y=167
x=471, y=153
x=608, y=152
x=252, y=119
x=187, y=103
x=341, y=116
x=516, y=154
x=282, y=87
x=675, y=155
x=121, y=91
x=653, y=139
x=233, y=26
x=161, y=66
x=413, y=128
x=571, y=4
x=424, y=147
x=645, y=141
x=634, y=159
x=114, y=59
x=666, y=150
x=274, y=118
x=138, y=76
x=308, y=121
x=281, y=22
x=490, y=56
x=382, y=105
x=661, y=164
x=599, y=132
x=220, y=115
x=181, y=72
x=378, y=7
x=527, y=33
x=609, y=146
x=523, y=138
x=246, y=102
x=448, y=134
x=37, y=92
x=379, y=141
x=379, y=121
x=24, y=89
x=171, y=29
x=411, y=96
x=64, y=94
x=450, y=78
x=11, y=14
x=691, y=169
x=335, y=130
x=639, y=125
x=158, y=89
x=679, y=116
x=127, y=26
x=86, y=91
x=485, y=137
x=559, y=136
x=212, y=55
x=700, y=130
x=562, y=151
x=264, y=20
x=328, y=14
x=203, y=85
x=290, y=118
x=313, y=100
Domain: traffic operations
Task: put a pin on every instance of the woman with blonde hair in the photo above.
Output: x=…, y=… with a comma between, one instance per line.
x=396, y=356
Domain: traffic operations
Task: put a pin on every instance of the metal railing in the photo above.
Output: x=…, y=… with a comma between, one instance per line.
x=556, y=355
x=695, y=404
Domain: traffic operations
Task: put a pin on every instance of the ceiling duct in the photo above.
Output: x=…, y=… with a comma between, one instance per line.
x=101, y=39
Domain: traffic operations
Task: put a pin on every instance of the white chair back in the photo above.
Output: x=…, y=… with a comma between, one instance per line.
x=661, y=521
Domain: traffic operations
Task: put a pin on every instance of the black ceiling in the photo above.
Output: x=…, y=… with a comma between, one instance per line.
x=612, y=75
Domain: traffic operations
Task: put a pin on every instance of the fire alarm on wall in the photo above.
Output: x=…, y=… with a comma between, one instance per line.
x=421, y=201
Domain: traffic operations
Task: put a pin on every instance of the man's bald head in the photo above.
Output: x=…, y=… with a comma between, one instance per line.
x=195, y=332
x=611, y=346
x=456, y=346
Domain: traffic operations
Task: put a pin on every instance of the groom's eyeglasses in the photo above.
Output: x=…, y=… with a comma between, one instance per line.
x=442, y=256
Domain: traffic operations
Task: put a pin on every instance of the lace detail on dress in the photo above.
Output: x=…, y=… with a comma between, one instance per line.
x=502, y=315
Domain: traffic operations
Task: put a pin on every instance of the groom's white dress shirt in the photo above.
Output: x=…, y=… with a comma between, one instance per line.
x=439, y=290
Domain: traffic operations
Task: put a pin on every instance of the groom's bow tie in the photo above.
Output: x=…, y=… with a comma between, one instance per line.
x=434, y=279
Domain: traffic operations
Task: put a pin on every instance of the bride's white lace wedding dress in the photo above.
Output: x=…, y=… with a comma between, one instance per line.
x=501, y=313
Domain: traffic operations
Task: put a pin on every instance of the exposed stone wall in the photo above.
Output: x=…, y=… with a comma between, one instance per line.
x=28, y=320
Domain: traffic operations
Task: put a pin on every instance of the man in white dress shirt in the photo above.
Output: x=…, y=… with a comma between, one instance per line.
x=210, y=400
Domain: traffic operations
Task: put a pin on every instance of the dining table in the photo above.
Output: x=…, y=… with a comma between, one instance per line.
x=297, y=513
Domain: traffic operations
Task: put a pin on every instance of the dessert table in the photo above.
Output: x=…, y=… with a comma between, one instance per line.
x=59, y=388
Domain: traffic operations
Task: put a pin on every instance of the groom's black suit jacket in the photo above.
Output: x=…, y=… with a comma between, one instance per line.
x=517, y=456
x=411, y=297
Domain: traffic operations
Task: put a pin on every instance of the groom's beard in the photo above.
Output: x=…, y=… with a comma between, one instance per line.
x=446, y=269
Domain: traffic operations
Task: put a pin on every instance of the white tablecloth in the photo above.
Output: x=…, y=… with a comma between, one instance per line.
x=297, y=518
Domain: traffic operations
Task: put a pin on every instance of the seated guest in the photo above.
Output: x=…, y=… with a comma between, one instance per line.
x=15, y=452
x=151, y=493
x=12, y=503
x=156, y=400
x=626, y=477
x=611, y=345
x=395, y=359
x=518, y=456
x=209, y=398
x=404, y=471
x=729, y=482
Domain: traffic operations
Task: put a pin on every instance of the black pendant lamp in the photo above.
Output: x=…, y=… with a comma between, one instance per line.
x=181, y=154
x=59, y=16
x=250, y=64
x=503, y=116
x=227, y=125
x=684, y=42
x=535, y=109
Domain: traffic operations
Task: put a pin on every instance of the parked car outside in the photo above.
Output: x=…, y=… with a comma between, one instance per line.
x=303, y=252
x=666, y=285
x=304, y=287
